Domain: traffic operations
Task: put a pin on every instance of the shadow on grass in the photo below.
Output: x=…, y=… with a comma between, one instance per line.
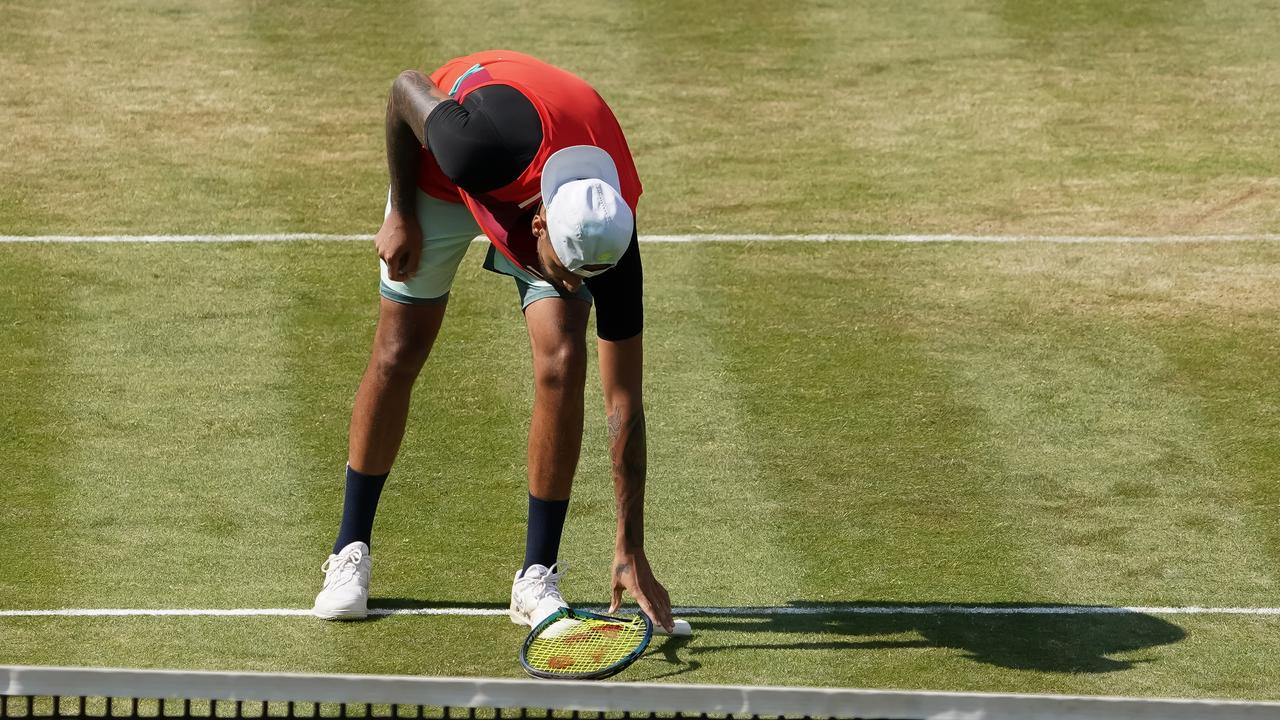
x=669, y=649
x=395, y=603
x=1045, y=638
x=666, y=647
x=1063, y=638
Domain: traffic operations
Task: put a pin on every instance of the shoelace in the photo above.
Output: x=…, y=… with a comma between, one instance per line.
x=345, y=570
x=549, y=584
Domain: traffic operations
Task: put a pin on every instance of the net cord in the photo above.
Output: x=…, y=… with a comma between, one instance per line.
x=609, y=697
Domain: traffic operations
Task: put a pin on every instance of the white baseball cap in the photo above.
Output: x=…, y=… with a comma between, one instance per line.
x=588, y=221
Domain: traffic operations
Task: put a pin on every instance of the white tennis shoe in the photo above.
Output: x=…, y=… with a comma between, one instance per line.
x=345, y=595
x=535, y=595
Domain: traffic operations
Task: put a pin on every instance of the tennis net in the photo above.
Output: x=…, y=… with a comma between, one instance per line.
x=44, y=692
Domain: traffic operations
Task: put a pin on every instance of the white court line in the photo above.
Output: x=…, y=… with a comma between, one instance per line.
x=256, y=238
x=691, y=611
x=893, y=238
x=704, y=238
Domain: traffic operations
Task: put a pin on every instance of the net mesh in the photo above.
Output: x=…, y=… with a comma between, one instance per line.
x=29, y=706
x=30, y=692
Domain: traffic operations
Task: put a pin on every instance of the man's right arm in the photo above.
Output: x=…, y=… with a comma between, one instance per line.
x=399, y=242
x=413, y=97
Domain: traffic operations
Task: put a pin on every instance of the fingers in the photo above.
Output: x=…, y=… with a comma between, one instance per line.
x=393, y=260
x=659, y=609
x=393, y=270
x=410, y=266
x=617, y=598
x=403, y=265
x=682, y=628
x=399, y=246
x=631, y=572
x=653, y=601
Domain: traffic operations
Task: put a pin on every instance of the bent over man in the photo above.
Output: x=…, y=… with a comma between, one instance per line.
x=530, y=155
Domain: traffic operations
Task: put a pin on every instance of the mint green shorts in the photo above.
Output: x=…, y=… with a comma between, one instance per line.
x=448, y=230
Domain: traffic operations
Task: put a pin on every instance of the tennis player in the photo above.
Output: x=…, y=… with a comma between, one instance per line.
x=528, y=154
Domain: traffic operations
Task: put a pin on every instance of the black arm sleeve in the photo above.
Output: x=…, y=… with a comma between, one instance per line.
x=487, y=140
x=618, y=296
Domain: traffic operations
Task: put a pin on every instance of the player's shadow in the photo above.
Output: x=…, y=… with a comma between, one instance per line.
x=1046, y=638
x=1055, y=638
x=380, y=608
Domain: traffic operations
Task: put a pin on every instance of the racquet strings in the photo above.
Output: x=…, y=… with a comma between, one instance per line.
x=577, y=645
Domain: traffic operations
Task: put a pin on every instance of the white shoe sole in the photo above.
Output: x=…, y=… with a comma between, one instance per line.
x=353, y=614
x=523, y=618
x=519, y=618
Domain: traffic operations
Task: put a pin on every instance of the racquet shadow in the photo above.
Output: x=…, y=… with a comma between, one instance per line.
x=668, y=650
x=1073, y=639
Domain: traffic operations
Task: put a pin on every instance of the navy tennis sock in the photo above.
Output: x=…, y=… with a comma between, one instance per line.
x=358, y=507
x=542, y=540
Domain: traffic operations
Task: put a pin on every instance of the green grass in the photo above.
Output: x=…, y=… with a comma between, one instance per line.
x=1088, y=116
x=830, y=424
x=1122, y=655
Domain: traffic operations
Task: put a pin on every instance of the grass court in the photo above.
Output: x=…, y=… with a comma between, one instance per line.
x=870, y=424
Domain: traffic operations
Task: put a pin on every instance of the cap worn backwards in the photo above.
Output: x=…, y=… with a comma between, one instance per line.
x=588, y=222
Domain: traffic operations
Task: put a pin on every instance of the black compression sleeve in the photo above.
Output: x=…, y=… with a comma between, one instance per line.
x=487, y=140
x=618, y=296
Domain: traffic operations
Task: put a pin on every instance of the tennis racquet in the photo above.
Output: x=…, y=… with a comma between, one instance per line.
x=582, y=645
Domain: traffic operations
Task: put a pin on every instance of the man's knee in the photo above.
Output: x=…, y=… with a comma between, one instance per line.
x=404, y=338
x=399, y=358
x=563, y=367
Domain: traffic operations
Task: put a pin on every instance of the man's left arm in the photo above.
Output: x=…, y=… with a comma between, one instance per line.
x=621, y=372
x=619, y=325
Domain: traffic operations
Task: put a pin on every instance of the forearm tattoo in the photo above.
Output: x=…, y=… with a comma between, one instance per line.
x=627, y=443
x=413, y=97
x=627, y=448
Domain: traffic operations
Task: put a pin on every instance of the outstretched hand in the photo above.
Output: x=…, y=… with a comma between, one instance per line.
x=631, y=572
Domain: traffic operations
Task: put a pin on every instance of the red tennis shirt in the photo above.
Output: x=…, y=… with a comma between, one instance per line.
x=572, y=113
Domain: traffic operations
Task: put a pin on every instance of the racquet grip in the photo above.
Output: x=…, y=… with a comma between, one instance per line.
x=681, y=629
